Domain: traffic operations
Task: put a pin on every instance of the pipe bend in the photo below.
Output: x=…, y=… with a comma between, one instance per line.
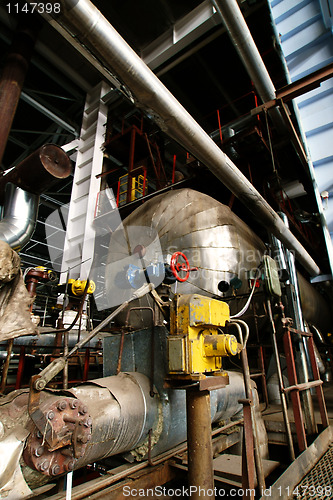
x=19, y=216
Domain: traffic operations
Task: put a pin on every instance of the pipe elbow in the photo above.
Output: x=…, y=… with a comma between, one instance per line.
x=19, y=216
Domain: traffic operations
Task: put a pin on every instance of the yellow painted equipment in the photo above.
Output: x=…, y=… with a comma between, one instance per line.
x=78, y=286
x=137, y=188
x=196, y=344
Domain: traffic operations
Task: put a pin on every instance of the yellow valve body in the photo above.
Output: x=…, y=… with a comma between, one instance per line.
x=195, y=344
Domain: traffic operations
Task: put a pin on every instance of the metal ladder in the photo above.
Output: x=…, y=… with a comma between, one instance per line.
x=295, y=388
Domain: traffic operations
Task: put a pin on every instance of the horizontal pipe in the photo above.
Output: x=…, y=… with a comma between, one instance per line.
x=38, y=171
x=103, y=421
x=84, y=21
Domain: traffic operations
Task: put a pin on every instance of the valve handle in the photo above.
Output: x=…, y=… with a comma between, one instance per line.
x=176, y=266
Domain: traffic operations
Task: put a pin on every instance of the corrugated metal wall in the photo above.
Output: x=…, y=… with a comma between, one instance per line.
x=305, y=31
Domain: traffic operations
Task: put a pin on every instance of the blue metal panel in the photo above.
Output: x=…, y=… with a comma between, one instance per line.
x=307, y=43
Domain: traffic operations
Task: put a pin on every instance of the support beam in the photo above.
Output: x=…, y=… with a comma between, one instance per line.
x=184, y=32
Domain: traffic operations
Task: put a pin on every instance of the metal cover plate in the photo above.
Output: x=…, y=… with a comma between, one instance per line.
x=318, y=483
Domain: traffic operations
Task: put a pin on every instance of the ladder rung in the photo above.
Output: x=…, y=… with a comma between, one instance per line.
x=304, y=386
x=300, y=332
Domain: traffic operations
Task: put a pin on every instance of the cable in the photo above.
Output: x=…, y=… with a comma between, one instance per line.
x=245, y=308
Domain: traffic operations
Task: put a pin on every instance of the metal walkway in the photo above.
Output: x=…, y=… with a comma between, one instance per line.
x=318, y=483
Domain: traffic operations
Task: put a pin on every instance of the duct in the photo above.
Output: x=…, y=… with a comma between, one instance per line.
x=19, y=216
x=84, y=21
x=20, y=187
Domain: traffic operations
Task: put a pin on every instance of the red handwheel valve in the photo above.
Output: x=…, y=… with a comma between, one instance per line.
x=177, y=267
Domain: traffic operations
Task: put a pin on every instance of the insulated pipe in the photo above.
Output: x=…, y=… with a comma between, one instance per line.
x=19, y=216
x=243, y=42
x=84, y=21
x=110, y=416
x=247, y=50
x=20, y=188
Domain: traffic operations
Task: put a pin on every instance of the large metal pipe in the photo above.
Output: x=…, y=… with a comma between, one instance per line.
x=98, y=419
x=247, y=50
x=19, y=216
x=84, y=21
x=13, y=75
x=20, y=188
x=38, y=171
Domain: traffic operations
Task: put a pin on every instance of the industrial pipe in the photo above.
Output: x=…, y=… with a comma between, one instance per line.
x=199, y=444
x=19, y=216
x=247, y=50
x=20, y=188
x=98, y=419
x=13, y=75
x=38, y=171
x=243, y=42
x=84, y=21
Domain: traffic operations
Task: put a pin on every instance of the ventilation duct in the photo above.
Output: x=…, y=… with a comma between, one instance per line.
x=19, y=216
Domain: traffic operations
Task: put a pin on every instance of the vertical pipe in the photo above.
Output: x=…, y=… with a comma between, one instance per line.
x=86, y=365
x=13, y=74
x=199, y=444
x=6, y=366
x=20, y=369
x=65, y=372
x=130, y=166
x=248, y=52
x=303, y=362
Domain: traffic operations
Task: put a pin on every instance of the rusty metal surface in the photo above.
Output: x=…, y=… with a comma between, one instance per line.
x=248, y=469
x=229, y=466
x=295, y=396
x=134, y=477
x=39, y=170
x=199, y=442
x=146, y=480
x=318, y=483
x=13, y=75
x=286, y=483
x=63, y=429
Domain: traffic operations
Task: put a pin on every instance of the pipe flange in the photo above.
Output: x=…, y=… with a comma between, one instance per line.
x=69, y=420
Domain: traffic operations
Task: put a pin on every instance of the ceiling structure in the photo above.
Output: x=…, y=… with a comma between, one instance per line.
x=189, y=49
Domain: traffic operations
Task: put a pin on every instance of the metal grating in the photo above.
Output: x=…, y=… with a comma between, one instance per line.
x=318, y=483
